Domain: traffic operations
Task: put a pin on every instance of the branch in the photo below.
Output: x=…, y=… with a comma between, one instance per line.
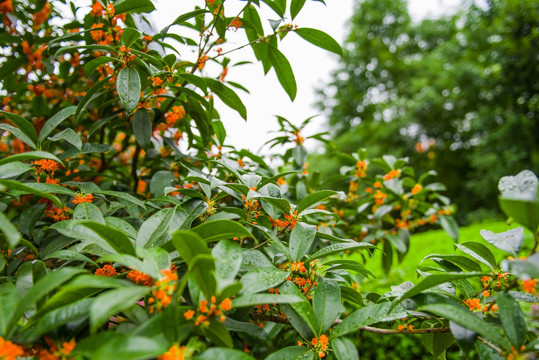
x=280, y=320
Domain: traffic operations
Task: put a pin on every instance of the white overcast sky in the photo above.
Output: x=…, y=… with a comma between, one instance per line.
x=312, y=66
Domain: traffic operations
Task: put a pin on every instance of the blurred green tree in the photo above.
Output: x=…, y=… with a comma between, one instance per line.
x=458, y=93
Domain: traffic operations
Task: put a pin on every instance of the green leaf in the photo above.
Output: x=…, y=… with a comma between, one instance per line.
x=116, y=239
x=313, y=199
x=432, y=281
x=54, y=121
x=129, y=36
x=109, y=345
x=25, y=126
x=69, y=255
x=337, y=248
x=18, y=134
x=509, y=241
x=464, y=317
x=10, y=300
x=512, y=318
x=437, y=343
x=88, y=211
x=142, y=127
x=11, y=65
x=295, y=7
x=93, y=64
x=26, y=189
x=40, y=289
x=128, y=87
x=348, y=265
x=464, y=337
x=479, y=252
x=202, y=270
x=344, y=349
x=123, y=196
x=524, y=212
x=77, y=311
x=227, y=95
x=133, y=6
x=70, y=136
x=113, y=302
x=292, y=353
x=262, y=279
x=307, y=321
x=367, y=316
x=283, y=70
x=228, y=258
x=14, y=169
x=326, y=303
x=220, y=229
x=189, y=245
x=259, y=299
x=182, y=18
x=450, y=226
x=89, y=95
x=29, y=156
x=155, y=228
x=282, y=205
x=217, y=353
x=301, y=239
x=460, y=261
x=320, y=39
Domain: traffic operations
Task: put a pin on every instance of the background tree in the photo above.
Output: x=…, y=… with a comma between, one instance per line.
x=457, y=94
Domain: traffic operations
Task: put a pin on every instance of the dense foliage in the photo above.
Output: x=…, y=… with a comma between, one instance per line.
x=457, y=94
x=129, y=230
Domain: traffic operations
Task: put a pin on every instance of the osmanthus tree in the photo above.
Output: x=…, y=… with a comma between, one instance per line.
x=129, y=230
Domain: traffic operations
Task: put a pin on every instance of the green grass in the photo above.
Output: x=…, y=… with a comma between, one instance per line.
x=431, y=242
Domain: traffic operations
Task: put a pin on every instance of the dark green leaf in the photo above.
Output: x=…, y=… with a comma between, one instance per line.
x=326, y=303
x=24, y=188
x=337, y=248
x=344, y=349
x=450, y=226
x=320, y=39
x=262, y=279
x=136, y=6
x=54, y=121
x=220, y=229
x=227, y=95
x=142, y=127
x=283, y=70
x=479, y=252
x=29, y=156
x=301, y=239
x=128, y=87
x=116, y=239
x=23, y=125
x=512, y=318
x=313, y=199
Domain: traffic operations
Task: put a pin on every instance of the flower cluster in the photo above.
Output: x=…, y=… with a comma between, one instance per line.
x=204, y=313
x=321, y=345
x=9, y=350
x=106, y=270
x=83, y=198
x=163, y=292
x=304, y=279
x=140, y=278
x=176, y=352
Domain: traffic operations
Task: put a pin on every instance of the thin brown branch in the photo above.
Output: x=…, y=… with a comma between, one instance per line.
x=489, y=345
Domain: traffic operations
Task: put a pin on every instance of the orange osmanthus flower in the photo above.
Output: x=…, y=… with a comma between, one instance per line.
x=81, y=198
x=473, y=304
x=529, y=285
x=9, y=350
x=107, y=270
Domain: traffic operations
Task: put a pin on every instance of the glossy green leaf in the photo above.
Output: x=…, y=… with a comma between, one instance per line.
x=189, y=245
x=220, y=230
x=525, y=212
x=202, y=270
x=301, y=308
x=450, y=226
x=18, y=134
x=88, y=211
x=23, y=125
x=348, y=265
x=30, y=155
x=512, y=318
x=41, y=289
x=509, y=241
x=70, y=136
x=116, y=239
x=301, y=240
x=227, y=95
x=111, y=345
x=313, y=199
x=326, y=303
x=142, y=127
x=128, y=87
x=434, y=280
x=437, y=343
x=155, y=228
x=89, y=96
x=295, y=7
x=91, y=66
x=466, y=319
x=113, y=302
x=133, y=6
x=337, y=248
x=228, y=258
x=479, y=252
x=292, y=353
x=460, y=261
x=259, y=299
x=262, y=279
x=367, y=316
x=344, y=349
x=26, y=189
x=283, y=70
x=54, y=121
x=320, y=39
x=217, y=353
x=14, y=169
x=123, y=196
x=129, y=36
